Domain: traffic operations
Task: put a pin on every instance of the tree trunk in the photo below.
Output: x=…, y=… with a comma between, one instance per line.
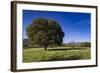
x=45, y=48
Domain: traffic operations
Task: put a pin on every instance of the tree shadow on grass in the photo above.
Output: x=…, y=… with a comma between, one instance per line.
x=61, y=49
x=56, y=58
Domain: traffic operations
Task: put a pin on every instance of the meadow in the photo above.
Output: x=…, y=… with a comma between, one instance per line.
x=56, y=54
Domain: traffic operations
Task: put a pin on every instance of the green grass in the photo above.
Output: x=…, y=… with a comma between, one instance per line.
x=55, y=54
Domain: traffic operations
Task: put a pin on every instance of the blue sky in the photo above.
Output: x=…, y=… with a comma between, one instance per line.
x=76, y=26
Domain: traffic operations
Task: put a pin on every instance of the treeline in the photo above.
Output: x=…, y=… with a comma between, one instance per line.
x=70, y=44
x=77, y=44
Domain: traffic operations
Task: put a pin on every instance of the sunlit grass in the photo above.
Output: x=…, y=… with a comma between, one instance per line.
x=55, y=54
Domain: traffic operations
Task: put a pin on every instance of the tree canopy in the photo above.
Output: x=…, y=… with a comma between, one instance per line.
x=44, y=32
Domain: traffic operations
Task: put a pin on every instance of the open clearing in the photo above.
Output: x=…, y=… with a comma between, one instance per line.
x=56, y=54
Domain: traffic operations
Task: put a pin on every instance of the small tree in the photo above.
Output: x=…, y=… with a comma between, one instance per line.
x=44, y=32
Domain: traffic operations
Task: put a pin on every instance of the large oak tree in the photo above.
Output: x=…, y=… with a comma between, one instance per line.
x=44, y=32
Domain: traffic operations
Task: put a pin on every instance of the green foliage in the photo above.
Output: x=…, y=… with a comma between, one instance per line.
x=43, y=32
x=55, y=54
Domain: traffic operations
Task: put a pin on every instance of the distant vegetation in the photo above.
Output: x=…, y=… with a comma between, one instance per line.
x=77, y=44
x=70, y=44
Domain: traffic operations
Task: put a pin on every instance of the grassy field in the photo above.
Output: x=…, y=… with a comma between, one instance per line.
x=55, y=54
